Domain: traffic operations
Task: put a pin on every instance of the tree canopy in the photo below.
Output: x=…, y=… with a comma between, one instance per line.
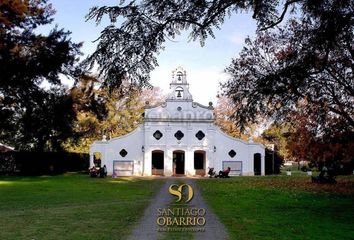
x=309, y=61
x=32, y=116
x=109, y=112
x=299, y=141
x=128, y=46
x=307, y=58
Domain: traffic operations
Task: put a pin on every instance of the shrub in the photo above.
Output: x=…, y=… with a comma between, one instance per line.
x=39, y=163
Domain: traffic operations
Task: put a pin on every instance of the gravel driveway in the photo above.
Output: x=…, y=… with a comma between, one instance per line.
x=146, y=228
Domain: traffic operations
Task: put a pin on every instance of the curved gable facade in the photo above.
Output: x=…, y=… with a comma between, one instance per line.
x=178, y=137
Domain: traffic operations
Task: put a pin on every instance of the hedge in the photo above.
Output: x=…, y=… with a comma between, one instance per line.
x=40, y=163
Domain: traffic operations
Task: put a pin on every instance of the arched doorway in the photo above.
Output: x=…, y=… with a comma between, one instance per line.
x=257, y=163
x=178, y=162
x=199, y=162
x=97, y=158
x=157, y=162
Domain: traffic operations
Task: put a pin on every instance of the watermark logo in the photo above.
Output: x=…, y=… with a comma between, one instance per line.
x=181, y=217
x=177, y=191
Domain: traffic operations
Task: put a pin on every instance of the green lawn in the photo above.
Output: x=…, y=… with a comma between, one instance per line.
x=281, y=207
x=72, y=206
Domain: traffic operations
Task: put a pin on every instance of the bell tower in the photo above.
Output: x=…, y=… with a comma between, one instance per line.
x=179, y=86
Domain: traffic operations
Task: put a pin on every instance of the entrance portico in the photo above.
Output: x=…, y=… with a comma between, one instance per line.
x=177, y=162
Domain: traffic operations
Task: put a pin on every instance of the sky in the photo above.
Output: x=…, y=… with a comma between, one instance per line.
x=204, y=65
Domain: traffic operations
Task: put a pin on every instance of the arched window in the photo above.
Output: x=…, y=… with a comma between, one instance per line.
x=179, y=76
x=179, y=92
x=97, y=156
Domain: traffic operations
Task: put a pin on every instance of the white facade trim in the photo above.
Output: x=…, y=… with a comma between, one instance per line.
x=188, y=138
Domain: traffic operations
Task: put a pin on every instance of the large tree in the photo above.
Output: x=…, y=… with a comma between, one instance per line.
x=35, y=110
x=309, y=57
x=224, y=110
x=299, y=140
x=279, y=134
x=127, y=48
x=309, y=61
x=102, y=111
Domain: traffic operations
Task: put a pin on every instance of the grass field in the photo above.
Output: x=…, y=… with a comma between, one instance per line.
x=74, y=206
x=71, y=206
x=281, y=207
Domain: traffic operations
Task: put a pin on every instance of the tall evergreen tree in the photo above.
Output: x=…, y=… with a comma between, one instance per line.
x=33, y=117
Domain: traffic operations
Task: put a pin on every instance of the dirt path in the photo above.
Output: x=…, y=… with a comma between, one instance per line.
x=214, y=229
x=146, y=229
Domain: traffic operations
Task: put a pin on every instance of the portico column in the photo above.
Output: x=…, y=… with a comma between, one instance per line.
x=168, y=162
x=91, y=160
x=189, y=162
x=262, y=164
x=147, y=162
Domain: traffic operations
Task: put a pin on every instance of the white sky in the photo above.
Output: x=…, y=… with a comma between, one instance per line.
x=204, y=65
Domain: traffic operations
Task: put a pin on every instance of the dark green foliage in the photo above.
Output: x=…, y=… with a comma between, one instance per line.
x=7, y=163
x=127, y=48
x=33, y=117
x=273, y=162
x=305, y=168
x=45, y=120
x=39, y=163
x=306, y=63
x=309, y=58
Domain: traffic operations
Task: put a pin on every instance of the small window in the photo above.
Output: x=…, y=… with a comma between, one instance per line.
x=232, y=153
x=157, y=135
x=123, y=152
x=97, y=159
x=200, y=135
x=179, y=76
x=179, y=135
x=179, y=92
x=179, y=109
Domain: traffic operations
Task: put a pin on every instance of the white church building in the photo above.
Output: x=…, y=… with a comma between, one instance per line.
x=178, y=137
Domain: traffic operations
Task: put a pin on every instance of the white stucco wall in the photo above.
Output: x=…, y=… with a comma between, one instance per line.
x=168, y=143
x=140, y=144
x=244, y=152
x=178, y=114
x=131, y=142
